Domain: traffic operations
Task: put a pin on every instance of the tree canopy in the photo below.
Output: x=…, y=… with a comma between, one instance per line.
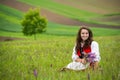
x=33, y=23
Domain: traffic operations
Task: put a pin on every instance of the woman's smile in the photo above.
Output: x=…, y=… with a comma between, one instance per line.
x=84, y=34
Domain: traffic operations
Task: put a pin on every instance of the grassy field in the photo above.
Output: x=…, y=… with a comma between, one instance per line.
x=41, y=59
x=20, y=58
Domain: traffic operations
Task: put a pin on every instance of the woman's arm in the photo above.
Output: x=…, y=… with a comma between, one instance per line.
x=95, y=49
x=74, y=54
x=76, y=58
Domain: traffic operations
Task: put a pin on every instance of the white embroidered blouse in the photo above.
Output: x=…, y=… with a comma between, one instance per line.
x=94, y=49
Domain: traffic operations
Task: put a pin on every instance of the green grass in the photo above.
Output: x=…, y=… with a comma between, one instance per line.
x=66, y=31
x=48, y=54
x=51, y=51
x=9, y=24
x=10, y=19
x=57, y=29
x=10, y=11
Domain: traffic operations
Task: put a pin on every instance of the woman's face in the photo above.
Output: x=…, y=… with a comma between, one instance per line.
x=84, y=34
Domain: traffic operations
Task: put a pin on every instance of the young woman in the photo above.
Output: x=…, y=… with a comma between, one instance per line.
x=84, y=45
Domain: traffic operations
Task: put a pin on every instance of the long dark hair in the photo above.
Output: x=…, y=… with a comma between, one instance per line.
x=79, y=39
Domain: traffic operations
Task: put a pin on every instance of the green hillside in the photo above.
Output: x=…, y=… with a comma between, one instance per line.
x=10, y=19
x=72, y=12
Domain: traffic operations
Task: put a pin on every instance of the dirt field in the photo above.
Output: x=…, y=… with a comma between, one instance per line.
x=8, y=38
x=96, y=6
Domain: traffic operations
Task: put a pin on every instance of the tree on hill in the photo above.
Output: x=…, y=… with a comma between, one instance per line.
x=33, y=23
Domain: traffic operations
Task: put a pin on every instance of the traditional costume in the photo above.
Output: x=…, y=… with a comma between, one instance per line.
x=93, y=48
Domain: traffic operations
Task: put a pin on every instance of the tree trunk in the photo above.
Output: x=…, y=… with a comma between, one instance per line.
x=34, y=36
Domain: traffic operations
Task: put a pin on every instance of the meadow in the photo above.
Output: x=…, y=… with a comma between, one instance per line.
x=42, y=59
x=20, y=59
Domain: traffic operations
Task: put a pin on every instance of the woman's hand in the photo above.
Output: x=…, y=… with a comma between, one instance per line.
x=81, y=60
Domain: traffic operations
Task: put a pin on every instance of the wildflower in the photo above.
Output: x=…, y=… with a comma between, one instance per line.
x=35, y=73
x=90, y=57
